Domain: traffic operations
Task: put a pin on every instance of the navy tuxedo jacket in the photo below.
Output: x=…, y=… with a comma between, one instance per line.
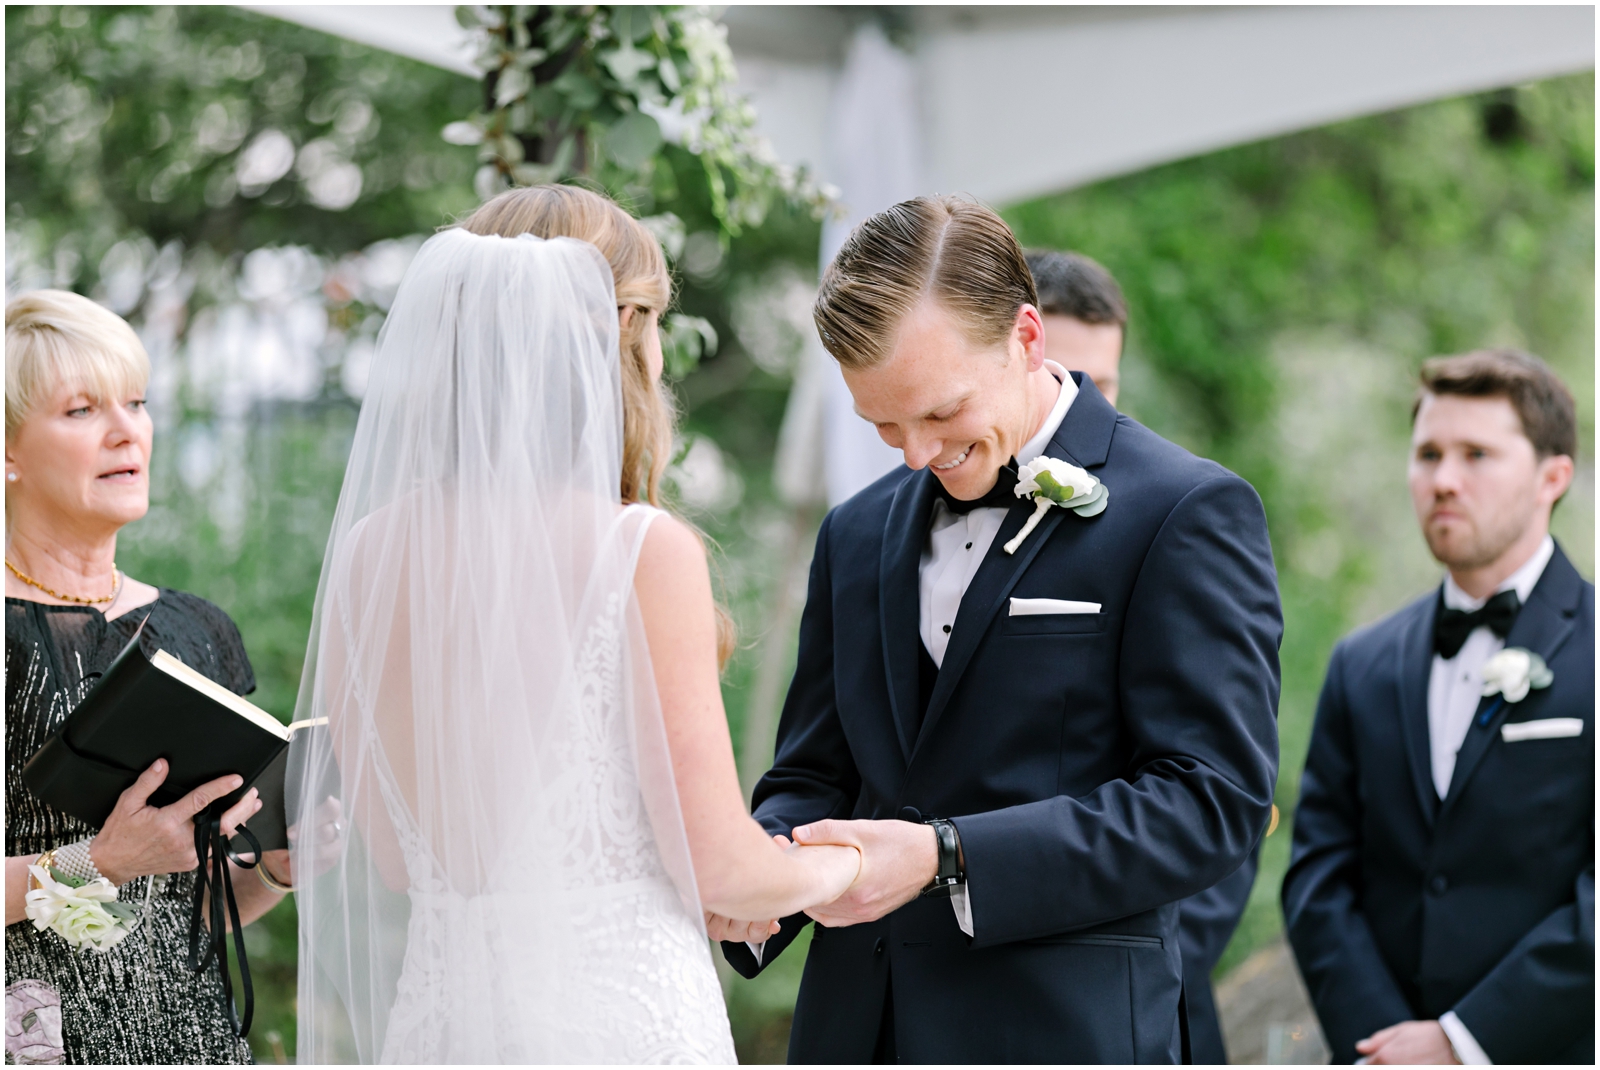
x=1404, y=906
x=1098, y=767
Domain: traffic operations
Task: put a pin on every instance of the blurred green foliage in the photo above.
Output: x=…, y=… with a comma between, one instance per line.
x=601, y=91
x=1283, y=294
x=171, y=121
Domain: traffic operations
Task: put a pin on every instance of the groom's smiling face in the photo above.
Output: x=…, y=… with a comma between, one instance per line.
x=963, y=409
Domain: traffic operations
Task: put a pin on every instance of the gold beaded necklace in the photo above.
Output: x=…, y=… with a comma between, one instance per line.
x=116, y=583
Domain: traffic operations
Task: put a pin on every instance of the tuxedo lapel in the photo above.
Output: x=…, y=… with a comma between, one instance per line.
x=899, y=598
x=1083, y=439
x=1416, y=665
x=993, y=581
x=1544, y=624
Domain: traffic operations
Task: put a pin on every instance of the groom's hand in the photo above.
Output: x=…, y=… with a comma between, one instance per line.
x=898, y=859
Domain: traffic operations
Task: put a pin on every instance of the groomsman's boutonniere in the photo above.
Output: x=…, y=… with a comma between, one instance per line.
x=1049, y=481
x=1514, y=672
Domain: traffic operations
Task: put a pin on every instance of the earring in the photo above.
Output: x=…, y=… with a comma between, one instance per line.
x=11, y=477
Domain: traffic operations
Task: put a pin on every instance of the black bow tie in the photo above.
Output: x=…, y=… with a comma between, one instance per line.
x=1001, y=496
x=1452, y=626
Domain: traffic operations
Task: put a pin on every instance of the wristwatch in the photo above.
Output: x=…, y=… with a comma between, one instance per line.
x=950, y=872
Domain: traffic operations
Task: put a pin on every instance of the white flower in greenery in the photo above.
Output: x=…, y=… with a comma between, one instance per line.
x=85, y=914
x=1052, y=481
x=1514, y=672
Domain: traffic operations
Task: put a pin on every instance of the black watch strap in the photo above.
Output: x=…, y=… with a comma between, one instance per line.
x=949, y=874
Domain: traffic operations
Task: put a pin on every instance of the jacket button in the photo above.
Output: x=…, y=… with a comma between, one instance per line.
x=877, y=948
x=1438, y=885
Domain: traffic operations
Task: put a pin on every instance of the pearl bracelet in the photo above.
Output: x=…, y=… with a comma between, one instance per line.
x=74, y=860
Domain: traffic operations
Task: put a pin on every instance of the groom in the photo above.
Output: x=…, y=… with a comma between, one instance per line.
x=1040, y=740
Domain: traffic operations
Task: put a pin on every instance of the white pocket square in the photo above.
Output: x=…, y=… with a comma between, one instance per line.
x=1039, y=607
x=1549, y=728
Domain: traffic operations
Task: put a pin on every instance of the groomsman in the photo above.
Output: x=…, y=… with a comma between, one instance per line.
x=1440, y=897
x=1084, y=314
x=1085, y=321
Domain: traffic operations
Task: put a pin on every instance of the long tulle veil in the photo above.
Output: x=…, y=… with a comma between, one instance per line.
x=486, y=835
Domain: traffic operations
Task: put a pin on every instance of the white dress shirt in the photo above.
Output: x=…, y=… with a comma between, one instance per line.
x=1455, y=687
x=956, y=546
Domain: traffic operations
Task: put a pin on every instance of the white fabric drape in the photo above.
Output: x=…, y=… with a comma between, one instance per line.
x=491, y=861
x=825, y=451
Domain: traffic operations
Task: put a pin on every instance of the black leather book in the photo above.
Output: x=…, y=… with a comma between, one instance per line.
x=144, y=708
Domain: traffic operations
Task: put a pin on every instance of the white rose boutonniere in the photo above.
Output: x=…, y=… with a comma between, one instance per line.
x=83, y=913
x=1051, y=481
x=1514, y=672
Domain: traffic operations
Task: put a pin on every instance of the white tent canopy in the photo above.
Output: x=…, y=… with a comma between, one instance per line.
x=1010, y=102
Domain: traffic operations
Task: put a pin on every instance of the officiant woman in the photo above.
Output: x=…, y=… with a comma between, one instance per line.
x=77, y=469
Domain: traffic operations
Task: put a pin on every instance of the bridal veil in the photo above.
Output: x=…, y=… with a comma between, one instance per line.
x=491, y=862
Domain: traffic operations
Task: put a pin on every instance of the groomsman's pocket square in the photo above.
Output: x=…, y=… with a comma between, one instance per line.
x=1549, y=728
x=1041, y=607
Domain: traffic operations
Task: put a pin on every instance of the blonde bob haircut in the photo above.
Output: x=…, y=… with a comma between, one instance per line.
x=56, y=339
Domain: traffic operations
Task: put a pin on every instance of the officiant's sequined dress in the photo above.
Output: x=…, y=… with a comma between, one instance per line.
x=138, y=1002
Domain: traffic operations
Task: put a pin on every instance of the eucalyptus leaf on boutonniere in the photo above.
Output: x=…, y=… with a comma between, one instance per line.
x=1514, y=672
x=1050, y=481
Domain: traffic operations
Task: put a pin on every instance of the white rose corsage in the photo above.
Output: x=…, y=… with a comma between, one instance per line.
x=1051, y=481
x=84, y=913
x=1514, y=672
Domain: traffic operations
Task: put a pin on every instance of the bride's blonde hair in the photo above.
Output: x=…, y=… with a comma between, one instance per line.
x=643, y=283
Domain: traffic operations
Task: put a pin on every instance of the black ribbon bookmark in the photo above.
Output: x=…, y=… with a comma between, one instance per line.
x=211, y=847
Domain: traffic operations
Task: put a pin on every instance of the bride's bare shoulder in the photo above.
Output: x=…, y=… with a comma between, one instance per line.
x=672, y=564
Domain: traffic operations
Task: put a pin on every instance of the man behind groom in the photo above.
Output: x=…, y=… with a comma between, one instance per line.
x=1042, y=724
x=1440, y=897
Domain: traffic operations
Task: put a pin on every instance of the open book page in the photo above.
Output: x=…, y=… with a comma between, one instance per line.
x=213, y=690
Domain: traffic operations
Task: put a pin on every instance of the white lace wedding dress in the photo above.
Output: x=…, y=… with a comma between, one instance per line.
x=497, y=867
x=636, y=985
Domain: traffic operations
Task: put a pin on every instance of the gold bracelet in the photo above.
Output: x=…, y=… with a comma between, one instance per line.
x=266, y=878
x=46, y=859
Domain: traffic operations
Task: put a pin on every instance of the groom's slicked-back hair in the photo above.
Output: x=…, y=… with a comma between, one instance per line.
x=952, y=250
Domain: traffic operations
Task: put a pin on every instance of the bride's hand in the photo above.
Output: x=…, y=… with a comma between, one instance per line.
x=740, y=932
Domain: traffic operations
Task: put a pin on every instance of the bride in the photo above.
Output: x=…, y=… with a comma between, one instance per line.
x=525, y=793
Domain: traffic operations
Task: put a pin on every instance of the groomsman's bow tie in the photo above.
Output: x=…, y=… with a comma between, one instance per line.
x=1452, y=626
x=1001, y=496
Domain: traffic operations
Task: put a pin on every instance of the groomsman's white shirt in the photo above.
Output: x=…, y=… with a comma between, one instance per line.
x=1455, y=687
x=956, y=547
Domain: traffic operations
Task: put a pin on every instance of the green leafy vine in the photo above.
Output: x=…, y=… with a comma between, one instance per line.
x=598, y=91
